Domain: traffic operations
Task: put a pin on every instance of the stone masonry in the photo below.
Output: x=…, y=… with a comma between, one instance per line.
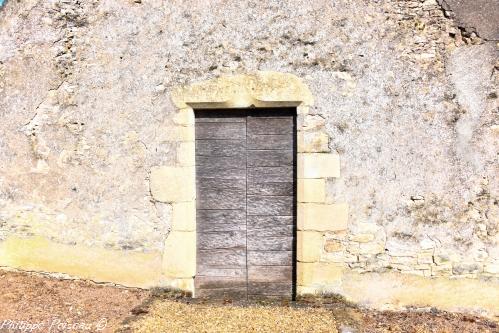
x=398, y=138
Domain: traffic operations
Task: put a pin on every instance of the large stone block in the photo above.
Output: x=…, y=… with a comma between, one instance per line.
x=322, y=217
x=318, y=165
x=177, y=133
x=319, y=273
x=179, y=258
x=184, y=117
x=173, y=184
x=313, y=142
x=186, y=153
x=184, y=216
x=309, y=245
x=311, y=190
x=185, y=284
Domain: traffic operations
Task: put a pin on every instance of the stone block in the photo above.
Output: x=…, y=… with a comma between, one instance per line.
x=312, y=122
x=441, y=270
x=311, y=190
x=186, y=153
x=185, y=284
x=466, y=268
x=491, y=268
x=333, y=245
x=425, y=257
x=308, y=291
x=184, y=117
x=313, y=142
x=179, y=259
x=319, y=273
x=371, y=248
x=408, y=261
x=309, y=244
x=322, y=217
x=173, y=184
x=184, y=216
x=177, y=133
x=318, y=165
x=302, y=110
x=367, y=228
x=362, y=238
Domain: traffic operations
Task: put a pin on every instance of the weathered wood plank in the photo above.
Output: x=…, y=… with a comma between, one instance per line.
x=270, y=288
x=232, y=131
x=269, y=205
x=270, y=141
x=256, y=221
x=220, y=220
x=221, y=258
x=222, y=293
x=270, y=125
x=212, y=282
x=214, y=173
x=272, y=231
x=282, y=243
x=220, y=167
x=270, y=298
x=226, y=148
x=270, y=174
x=222, y=184
x=221, y=194
x=270, y=258
x=204, y=270
x=220, y=163
x=270, y=274
x=271, y=188
x=269, y=158
x=222, y=240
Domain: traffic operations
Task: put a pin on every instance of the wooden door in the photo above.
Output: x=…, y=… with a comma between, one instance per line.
x=246, y=211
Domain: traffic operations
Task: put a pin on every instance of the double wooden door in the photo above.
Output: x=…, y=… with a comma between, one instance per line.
x=246, y=207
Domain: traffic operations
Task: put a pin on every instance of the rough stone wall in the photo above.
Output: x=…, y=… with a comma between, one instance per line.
x=408, y=98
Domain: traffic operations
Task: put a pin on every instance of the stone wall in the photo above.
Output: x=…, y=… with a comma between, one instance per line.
x=404, y=94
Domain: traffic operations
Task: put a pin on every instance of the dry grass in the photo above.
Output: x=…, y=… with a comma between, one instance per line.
x=172, y=316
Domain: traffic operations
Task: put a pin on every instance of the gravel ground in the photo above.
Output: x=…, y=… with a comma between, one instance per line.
x=58, y=304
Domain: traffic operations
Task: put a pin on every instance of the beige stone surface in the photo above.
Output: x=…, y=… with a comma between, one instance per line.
x=179, y=260
x=492, y=268
x=184, y=216
x=129, y=268
x=177, y=133
x=397, y=290
x=78, y=143
x=319, y=274
x=362, y=238
x=186, y=153
x=260, y=89
x=311, y=190
x=173, y=184
x=313, y=142
x=333, y=245
x=184, y=117
x=322, y=217
x=318, y=165
x=309, y=246
x=186, y=284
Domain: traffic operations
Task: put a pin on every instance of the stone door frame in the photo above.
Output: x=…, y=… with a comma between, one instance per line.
x=315, y=164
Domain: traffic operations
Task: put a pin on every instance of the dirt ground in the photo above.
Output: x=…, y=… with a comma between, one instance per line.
x=34, y=303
